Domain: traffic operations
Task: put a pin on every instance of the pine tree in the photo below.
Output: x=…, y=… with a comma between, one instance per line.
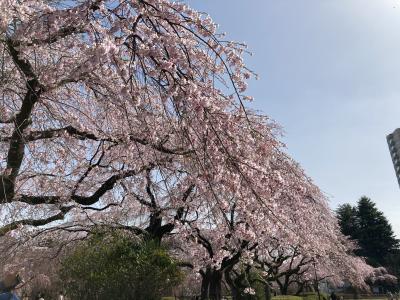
x=370, y=228
x=347, y=216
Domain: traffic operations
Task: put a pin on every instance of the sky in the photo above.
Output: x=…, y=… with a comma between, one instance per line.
x=329, y=73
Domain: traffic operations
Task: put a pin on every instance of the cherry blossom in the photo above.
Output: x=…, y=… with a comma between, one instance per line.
x=132, y=114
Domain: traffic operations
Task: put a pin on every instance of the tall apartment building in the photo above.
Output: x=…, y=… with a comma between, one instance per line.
x=393, y=140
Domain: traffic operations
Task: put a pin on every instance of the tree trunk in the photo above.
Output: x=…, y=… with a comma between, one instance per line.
x=215, y=286
x=235, y=292
x=267, y=291
x=205, y=283
x=300, y=288
x=285, y=287
x=211, y=285
x=282, y=287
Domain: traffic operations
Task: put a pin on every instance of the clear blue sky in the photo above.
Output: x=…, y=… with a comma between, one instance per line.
x=330, y=75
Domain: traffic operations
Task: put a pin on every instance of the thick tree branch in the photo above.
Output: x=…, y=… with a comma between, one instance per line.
x=64, y=31
x=84, y=135
x=35, y=222
x=17, y=145
x=83, y=200
x=167, y=228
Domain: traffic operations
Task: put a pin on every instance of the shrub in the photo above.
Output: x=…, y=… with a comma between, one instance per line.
x=116, y=266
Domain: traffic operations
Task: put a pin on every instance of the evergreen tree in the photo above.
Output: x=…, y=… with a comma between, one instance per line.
x=370, y=228
x=347, y=216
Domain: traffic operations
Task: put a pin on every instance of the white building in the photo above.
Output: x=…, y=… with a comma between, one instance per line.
x=393, y=141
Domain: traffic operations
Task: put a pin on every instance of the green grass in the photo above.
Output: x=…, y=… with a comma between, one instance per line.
x=287, y=297
x=315, y=297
